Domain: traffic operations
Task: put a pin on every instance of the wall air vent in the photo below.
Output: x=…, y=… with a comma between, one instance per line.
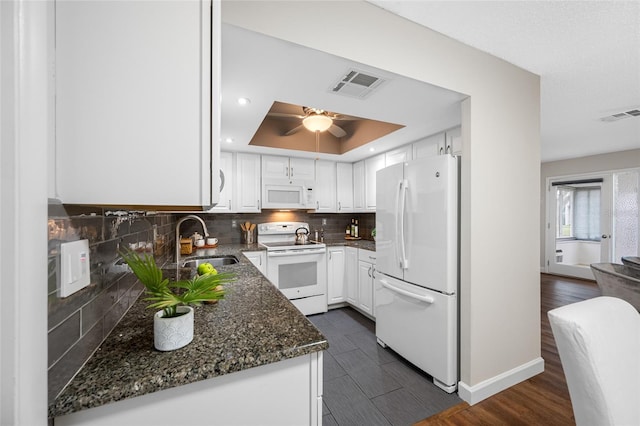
x=356, y=84
x=621, y=115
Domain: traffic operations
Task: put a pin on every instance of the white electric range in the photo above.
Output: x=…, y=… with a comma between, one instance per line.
x=299, y=271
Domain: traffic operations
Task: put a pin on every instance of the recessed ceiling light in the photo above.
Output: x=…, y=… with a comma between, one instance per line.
x=372, y=149
x=229, y=140
x=244, y=101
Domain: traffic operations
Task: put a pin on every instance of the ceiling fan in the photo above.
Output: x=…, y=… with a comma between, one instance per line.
x=315, y=119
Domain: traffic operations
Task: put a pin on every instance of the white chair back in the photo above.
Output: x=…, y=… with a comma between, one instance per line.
x=599, y=345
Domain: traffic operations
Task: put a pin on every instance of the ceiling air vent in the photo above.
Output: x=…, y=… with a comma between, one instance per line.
x=356, y=84
x=621, y=115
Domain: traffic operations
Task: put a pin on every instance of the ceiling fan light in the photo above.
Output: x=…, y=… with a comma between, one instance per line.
x=317, y=122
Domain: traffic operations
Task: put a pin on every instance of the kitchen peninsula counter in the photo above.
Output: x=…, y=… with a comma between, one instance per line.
x=254, y=325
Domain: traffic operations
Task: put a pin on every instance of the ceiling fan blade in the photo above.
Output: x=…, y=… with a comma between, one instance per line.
x=336, y=131
x=285, y=115
x=294, y=130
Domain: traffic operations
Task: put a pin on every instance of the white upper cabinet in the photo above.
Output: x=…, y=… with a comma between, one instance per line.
x=274, y=167
x=371, y=166
x=344, y=187
x=325, y=188
x=453, y=144
x=302, y=168
x=247, y=178
x=398, y=155
x=225, y=180
x=134, y=87
x=287, y=168
x=430, y=146
x=358, y=186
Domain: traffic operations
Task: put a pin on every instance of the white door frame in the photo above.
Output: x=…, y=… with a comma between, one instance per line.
x=23, y=212
x=550, y=221
x=606, y=220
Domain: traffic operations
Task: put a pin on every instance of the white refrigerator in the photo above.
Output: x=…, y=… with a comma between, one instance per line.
x=416, y=306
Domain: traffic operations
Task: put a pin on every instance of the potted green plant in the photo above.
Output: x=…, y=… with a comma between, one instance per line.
x=173, y=324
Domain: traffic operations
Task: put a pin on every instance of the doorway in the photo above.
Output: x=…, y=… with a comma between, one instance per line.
x=591, y=219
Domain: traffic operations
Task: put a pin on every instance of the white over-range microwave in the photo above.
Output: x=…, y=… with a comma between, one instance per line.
x=293, y=195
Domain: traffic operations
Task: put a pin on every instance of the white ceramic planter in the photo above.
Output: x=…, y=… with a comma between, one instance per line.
x=173, y=333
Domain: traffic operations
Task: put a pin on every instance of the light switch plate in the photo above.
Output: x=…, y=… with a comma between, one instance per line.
x=75, y=271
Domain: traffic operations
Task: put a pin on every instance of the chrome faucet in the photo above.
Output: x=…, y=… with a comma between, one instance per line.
x=184, y=219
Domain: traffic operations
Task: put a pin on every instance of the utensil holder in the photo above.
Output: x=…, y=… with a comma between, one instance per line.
x=249, y=237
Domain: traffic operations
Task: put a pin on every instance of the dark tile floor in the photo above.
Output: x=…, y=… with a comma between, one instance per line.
x=365, y=384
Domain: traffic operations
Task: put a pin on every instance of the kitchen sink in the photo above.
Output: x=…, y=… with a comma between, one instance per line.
x=215, y=261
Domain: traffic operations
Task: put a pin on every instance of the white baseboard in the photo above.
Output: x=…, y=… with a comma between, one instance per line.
x=474, y=394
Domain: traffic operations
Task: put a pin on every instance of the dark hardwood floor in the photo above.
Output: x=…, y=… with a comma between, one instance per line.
x=540, y=400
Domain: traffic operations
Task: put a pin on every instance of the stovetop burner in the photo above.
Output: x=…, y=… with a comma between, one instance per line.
x=282, y=235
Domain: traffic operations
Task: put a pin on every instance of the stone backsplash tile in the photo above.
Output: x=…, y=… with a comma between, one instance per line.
x=80, y=322
x=220, y=224
x=62, y=337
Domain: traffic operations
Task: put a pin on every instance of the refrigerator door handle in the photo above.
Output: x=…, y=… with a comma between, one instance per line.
x=404, y=262
x=397, y=223
x=425, y=299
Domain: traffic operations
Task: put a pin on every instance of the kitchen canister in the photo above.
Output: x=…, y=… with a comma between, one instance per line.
x=249, y=236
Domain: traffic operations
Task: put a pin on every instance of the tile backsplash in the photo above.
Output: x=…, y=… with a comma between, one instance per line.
x=220, y=225
x=78, y=324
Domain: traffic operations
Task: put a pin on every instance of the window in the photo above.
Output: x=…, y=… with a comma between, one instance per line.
x=578, y=214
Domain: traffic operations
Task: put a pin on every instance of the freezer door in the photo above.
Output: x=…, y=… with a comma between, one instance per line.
x=388, y=192
x=431, y=223
x=420, y=325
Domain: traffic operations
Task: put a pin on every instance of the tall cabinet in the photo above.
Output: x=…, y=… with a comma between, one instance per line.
x=344, y=187
x=248, y=188
x=137, y=115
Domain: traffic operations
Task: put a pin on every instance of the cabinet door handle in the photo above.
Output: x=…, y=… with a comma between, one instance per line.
x=229, y=204
x=373, y=272
x=339, y=206
x=292, y=172
x=369, y=271
x=286, y=172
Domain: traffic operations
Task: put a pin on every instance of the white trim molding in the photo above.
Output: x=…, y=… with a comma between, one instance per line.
x=474, y=394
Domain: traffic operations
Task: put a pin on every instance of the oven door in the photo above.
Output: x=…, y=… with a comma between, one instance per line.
x=298, y=273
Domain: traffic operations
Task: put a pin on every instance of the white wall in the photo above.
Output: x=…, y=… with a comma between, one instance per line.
x=500, y=296
x=593, y=163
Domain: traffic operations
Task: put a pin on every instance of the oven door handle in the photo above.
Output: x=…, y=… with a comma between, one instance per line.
x=283, y=253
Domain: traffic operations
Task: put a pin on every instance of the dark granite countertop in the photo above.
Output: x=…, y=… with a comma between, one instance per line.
x=363, y=244
x=252, y=326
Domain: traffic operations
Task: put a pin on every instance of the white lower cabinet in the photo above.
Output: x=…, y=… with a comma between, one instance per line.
x=336, y=278
x=351, y=275
x=294, y=398
x=259, y=260
x=358, y=278
x=366, y=278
